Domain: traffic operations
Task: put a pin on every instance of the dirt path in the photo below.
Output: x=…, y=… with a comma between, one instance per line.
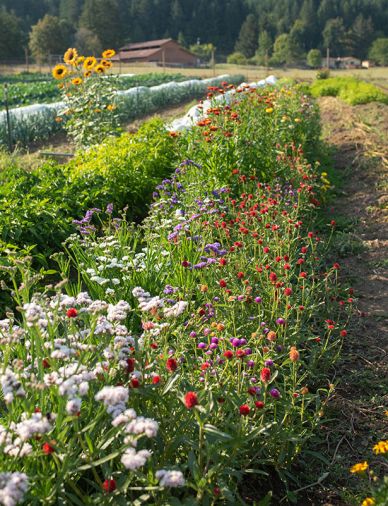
x=360, y=138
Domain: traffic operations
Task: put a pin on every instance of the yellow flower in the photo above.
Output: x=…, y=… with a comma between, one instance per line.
x=269, y=110
x=70, y=57
x=59, y=71
x=87, y=73
x=80, y=60
x=106, y=64
x=368, y=501
x=108, y=53
x=381, y=447
x=100, y=69
x=359, y=468
x=89, y=62
x=77, y=81
x=111, y=107
x=297, y=120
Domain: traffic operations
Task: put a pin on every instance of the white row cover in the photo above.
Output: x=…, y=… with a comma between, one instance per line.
x=196, y=113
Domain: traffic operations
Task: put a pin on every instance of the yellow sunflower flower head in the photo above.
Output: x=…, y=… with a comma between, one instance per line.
x=99, y=69
x=76, y=81
x=59, y=71
x=106, y=64
x=361, y=467
x=108, y=53
x=381, y=447
x=368, y=501
x=70, y=57
x=89, y=62
x=80, y=60
x=87, y=73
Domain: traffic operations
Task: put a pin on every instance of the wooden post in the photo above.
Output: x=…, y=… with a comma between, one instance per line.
x=8, y=117
x=328, y=58
x=214, y=61
x=27, y=59
x=164, y=60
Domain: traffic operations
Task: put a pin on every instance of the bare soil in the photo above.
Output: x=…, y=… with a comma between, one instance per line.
x=359, y=136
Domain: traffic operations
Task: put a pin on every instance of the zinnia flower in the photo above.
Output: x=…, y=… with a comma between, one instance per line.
x=381, y=447
x=368, y=501
x=191, y=400
x=359, y=468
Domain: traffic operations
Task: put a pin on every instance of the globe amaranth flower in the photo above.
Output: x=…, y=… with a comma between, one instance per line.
x=191, y=400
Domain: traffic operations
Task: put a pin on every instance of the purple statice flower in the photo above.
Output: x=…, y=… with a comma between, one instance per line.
x=172, y=236
x=168, y=290
x=109, y=208
x=200, y=265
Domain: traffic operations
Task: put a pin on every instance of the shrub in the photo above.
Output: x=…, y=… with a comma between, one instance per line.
x=237, y=59
x=351, y=90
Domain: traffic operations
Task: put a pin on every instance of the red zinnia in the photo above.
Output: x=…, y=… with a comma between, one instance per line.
x=191, y=400
x=265, y=374
x=171, y=364
x=72, y=312
x=245, y=410
x=47, y=448
x=109, y=485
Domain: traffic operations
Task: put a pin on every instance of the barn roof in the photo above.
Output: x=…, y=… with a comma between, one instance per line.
x=145, y=45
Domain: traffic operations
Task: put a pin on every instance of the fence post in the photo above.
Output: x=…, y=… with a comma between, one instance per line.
x=8, y=117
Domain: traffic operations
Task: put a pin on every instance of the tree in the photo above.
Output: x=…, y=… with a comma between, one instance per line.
x=379, y=51
x=87, y=42
x=70, y=10
x=298, y=35
x=334, y=35
x=281, y=49
x=103, y=17
x=247, y=39
x=314, y=58
x=11, y=37
x=237, y=58
x=49, y=36
x=360, y=36
x=264, y=50
x=203, y=51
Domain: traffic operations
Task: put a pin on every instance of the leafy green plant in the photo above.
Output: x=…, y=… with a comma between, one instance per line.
x=351, y=90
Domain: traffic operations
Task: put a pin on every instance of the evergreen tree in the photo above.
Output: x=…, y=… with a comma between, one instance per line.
x=103, y=18
x=360, y=36
x=334, y=36
x=70, y=10
x=265, y=47
x=247, y=39
x=11, y=35
x=379, y=51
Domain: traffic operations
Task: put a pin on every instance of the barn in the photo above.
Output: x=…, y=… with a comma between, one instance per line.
x=160, y=52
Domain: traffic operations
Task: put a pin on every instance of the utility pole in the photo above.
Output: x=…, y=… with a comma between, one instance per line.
x=214, y=61
x=164, y=60
x=328, y=58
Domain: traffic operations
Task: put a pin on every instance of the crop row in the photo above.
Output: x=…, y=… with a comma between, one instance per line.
x=38, y=122
x=46, y=90
x=190, y=353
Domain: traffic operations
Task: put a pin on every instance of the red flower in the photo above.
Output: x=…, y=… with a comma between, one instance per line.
x=228, y=354
x=303, y=275
x=222, y=283
x=155, y=379
x=273, y=277
x=336, y=266
x=287, y=291
x=171, y=365
x=244, y=410
x=343, y=333
x=47, y=448
x=45, y=363
x=135, y=383
x=265, y=374
x=191, y=400
x=259, y=404
x=109, y=486
x=240, y=275
x=72, y=312
x=130, y=365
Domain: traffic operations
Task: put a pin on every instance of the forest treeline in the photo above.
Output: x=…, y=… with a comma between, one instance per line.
x=254, y=28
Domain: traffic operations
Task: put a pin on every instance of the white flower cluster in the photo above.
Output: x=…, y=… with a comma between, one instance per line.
x=37, y=424
x=119, y=311
x=131, y=459
x=114, y=399
x=35, y=315
x=146, y=301
x=175, y=310
x=13, y=487
x=170, y=478
x=10, y=333
x=13, y=446
x=11, y=386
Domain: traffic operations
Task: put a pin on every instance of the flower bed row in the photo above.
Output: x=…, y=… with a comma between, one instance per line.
x=38, y=122
x=191, y=352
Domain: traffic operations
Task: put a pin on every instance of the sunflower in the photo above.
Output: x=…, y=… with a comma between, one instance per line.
x=77, y=81
x=80, y=60
x=111, y=107
x=59, y=71
x=89, y=62
x=70, y=57
x=87, y=73
x=106, y=64
x=100, y=69
x=108, y=53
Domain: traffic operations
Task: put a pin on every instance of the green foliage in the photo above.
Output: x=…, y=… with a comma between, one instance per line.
x=351, y=90
x=50, y=36
x=237, y=58
x=38, y=207
x=314, y=58
x=203, y=51
x=379, y=51
x=11, y=35
x=247, y=39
